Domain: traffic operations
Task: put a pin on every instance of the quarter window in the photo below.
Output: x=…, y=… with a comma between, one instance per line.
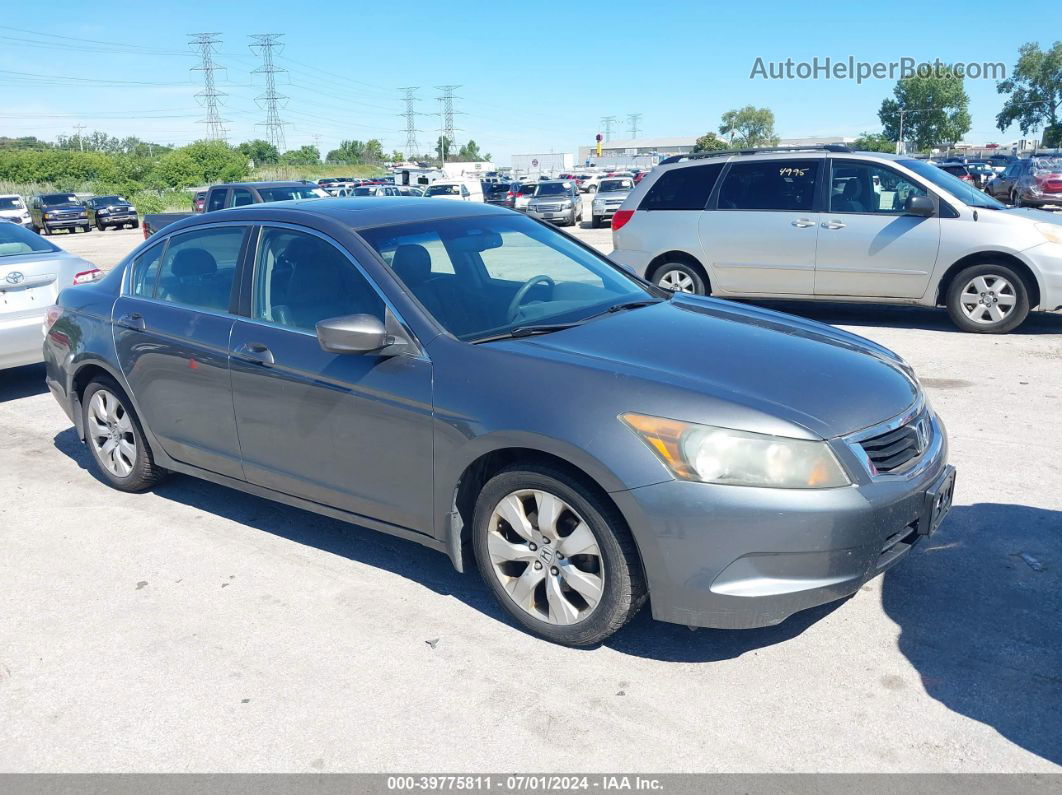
x=199, y=267
x=686, y=188
x=770, y=185
x=145, y=272
x=301, y=279
x=869, y=188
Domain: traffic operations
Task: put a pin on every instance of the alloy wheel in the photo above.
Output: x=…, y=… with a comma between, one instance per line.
x=545, y=556
x=988, y=299
x=110, y=432
x=677, y=282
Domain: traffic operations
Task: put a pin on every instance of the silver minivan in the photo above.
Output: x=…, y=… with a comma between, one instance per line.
x=833, y=224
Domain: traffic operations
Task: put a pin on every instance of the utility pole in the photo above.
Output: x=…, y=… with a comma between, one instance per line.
x=268, y=100
x=80, y=140
x=410, y=116
x=607, y=122
x=900, y=148
x=446, y=129
x=206, y=44
x=633, y=119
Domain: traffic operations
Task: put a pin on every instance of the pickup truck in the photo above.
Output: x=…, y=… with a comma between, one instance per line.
x=238, y=194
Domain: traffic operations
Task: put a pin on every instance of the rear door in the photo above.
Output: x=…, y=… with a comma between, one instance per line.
x=761, y=236
x=867, y=245
x=171, y=331
x=353, y=431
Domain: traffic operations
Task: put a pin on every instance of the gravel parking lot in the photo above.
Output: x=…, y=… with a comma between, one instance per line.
x=199, y=629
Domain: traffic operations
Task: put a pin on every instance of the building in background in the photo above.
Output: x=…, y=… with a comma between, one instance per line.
x=545, y=164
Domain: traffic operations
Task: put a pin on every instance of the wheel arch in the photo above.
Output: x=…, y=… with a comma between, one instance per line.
x=1032, y=284
x=677, y=255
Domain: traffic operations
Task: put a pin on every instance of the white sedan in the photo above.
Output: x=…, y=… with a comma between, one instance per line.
x=32, y=272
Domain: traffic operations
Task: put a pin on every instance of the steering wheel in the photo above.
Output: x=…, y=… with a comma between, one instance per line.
x=525, y=288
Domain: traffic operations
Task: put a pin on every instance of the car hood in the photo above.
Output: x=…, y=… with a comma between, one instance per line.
x=743, y=365
x=68, y=206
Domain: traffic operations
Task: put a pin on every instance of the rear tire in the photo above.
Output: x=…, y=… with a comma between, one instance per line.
x=988, y=299
x=680, y=277
x=541, y=584
x=115, y=438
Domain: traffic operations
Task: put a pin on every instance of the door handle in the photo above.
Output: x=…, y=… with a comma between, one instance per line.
x=256, y=353
x=803, y=223
x=833, y=225
x=133, y=321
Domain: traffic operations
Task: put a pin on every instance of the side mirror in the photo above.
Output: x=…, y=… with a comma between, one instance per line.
x=919, y=205
x=352, y=334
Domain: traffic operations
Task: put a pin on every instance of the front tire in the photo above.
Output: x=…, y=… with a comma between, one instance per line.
x=558, y=557
x=988, y=299
x=679, y=277
x=101, y=226
x=115, y=438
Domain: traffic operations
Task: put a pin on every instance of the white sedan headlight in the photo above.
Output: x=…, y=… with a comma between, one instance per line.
x=709, y=454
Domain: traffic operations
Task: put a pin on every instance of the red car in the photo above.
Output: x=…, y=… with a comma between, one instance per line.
x=197, y=201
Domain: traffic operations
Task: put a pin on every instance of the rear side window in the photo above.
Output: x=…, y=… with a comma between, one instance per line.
x=199, y=268
x=770, y=185
x=682, y=188
x=217, y=199
x=146, y=271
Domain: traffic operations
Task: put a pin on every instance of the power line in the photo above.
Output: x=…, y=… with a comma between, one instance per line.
x=207, y=43
x=412, y=147
x=446, y=130
x=264, y=45
x=607, y=122
x=633, y=119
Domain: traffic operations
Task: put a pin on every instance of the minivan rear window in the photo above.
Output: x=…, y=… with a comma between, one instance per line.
x=770, y=185
x=685, y=188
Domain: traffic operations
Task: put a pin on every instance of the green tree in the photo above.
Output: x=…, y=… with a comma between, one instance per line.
x=374, y=152
x=874, y=142
x=303, y=156
x=749, y=126
x=1034, y=93
x=443, y=145
x=709, y=142
x=470, y=152
x=347, y=153
x=398, y=157
x=261, y=152
x=934, y=109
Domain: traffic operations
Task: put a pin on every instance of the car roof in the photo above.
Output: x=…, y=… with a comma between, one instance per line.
x=263, y=184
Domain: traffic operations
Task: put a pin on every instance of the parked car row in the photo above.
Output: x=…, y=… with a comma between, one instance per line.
x=51, y=212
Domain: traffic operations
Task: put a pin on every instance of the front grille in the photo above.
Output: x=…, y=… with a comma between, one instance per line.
x=547, y=208
x=893, y=450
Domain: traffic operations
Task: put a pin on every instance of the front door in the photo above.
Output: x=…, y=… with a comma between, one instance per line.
x=171, y=332
x=762, y=235
x=867, y=245
x=352, y=431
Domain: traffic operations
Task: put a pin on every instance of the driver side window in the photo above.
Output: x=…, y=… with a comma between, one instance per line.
x=301, y=279
x=870, y=188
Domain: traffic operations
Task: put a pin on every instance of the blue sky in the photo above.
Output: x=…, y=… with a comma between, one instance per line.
x=535, y=77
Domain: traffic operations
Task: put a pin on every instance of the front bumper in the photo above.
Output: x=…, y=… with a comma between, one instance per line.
x=553, y=215
x=735, y=557
x=64, y=223
x=117, y=219
x=21, y=341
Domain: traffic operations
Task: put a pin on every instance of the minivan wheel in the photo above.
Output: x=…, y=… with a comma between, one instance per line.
x=115, y=438
x=988, y=299
x=560, y=560
x=680, y=278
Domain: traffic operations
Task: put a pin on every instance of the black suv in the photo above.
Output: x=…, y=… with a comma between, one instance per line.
x=104, y=211
x=51, y=211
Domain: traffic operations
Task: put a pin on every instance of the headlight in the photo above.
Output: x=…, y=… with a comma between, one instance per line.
x=738, y=458
x=1052, y=232
x=103, y=212
x=48, y=215
x=567, y=203
x=131, y=208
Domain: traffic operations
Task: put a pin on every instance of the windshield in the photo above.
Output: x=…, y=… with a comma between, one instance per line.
x=363, y=191
x=11, y=203
x=103, y=201
x=284, y=194
x=444, y=190
x=553, y=188
x=15, y=240
x=470, y=273
x=52, y=199
x=616, y=184
x=963, y=191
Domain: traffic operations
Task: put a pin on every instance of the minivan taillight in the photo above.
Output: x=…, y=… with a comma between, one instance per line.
x=87, y=277
x=620, y=218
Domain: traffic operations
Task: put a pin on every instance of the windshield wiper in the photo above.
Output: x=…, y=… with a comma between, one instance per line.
x=527, y=331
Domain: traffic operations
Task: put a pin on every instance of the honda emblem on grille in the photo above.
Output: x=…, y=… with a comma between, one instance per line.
x=15, y=277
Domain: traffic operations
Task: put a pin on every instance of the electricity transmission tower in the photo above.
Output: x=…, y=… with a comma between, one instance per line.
x=607, y=122
x=410, y=115
x=446, y=128
x=633, y=119
x=206, y=44
x=268, y=100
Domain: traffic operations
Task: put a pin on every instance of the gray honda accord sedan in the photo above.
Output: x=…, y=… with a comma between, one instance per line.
x=471, y=379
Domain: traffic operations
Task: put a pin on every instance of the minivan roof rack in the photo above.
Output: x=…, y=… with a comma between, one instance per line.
x=756, y=151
